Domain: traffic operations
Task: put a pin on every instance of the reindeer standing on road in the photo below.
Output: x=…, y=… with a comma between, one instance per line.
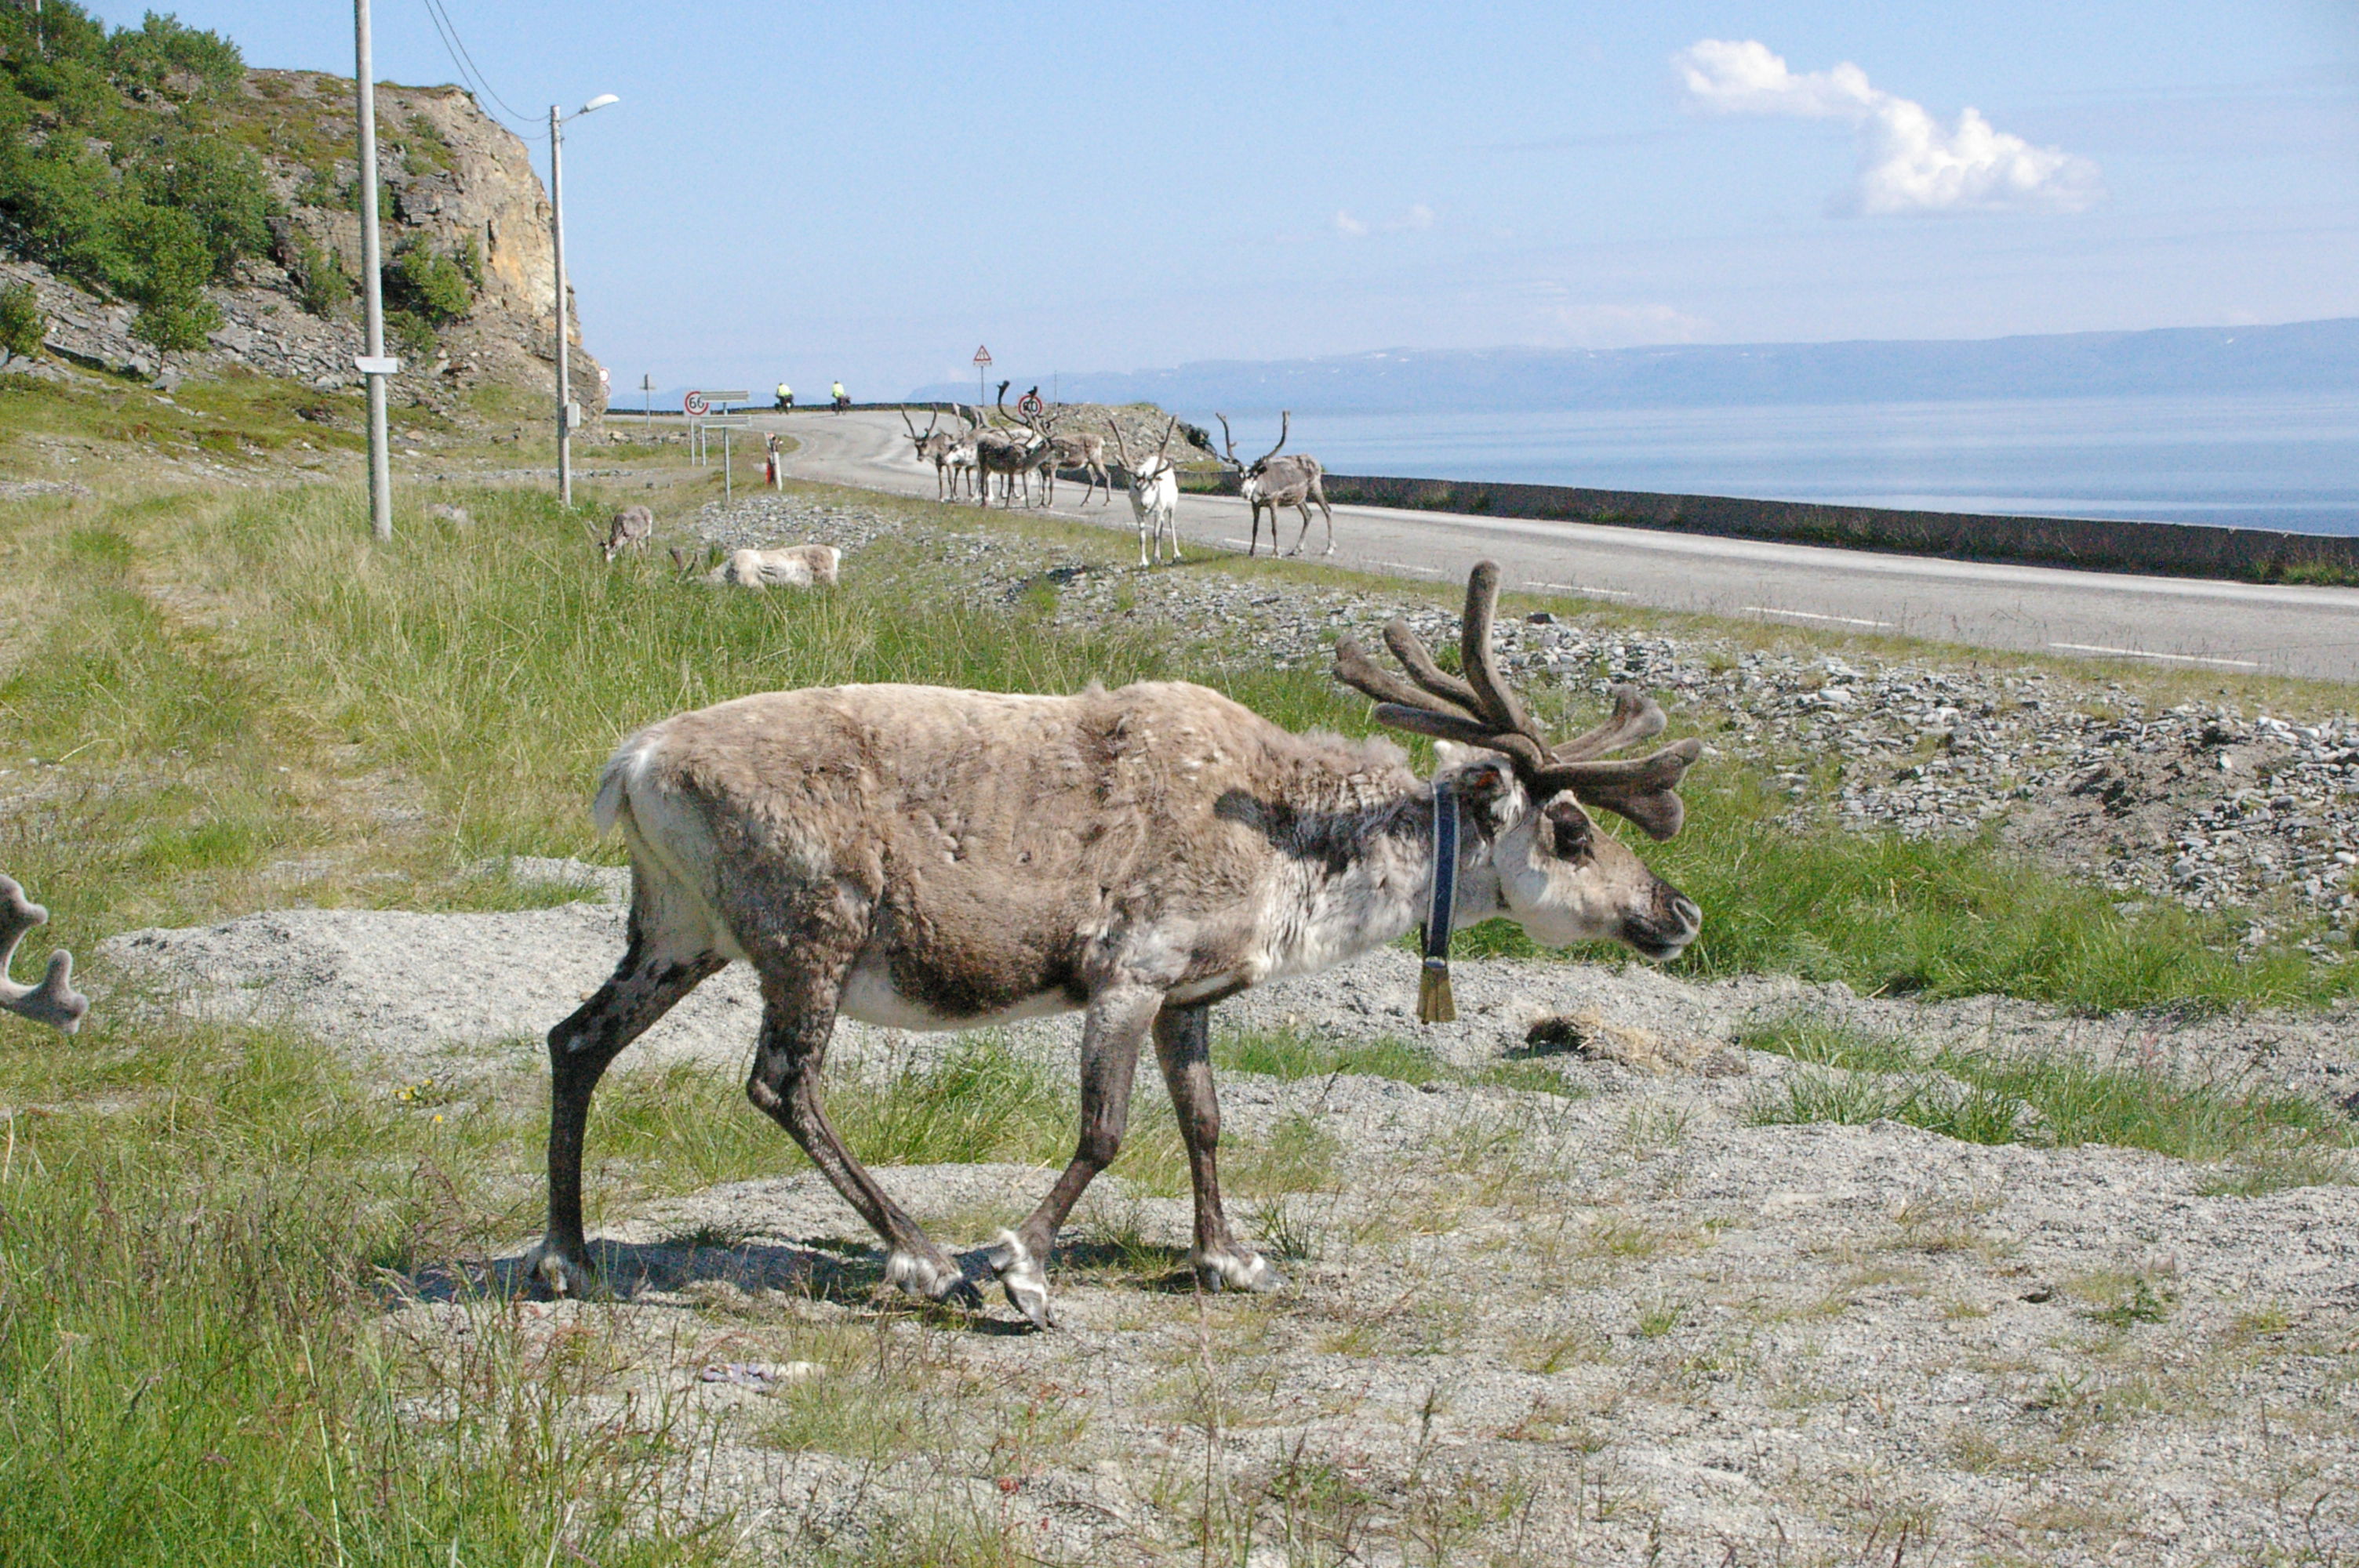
x=935, y=447
x=1272, y=482
x=1154, y=493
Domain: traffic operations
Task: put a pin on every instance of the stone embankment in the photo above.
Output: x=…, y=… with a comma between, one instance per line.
x=2206, y=803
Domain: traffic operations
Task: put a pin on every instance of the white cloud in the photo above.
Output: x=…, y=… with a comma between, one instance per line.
x=1615, y=326
x=1418, y=216
x=1908, y=162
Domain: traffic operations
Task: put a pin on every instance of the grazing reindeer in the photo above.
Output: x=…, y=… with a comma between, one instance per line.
x=54, y=1001
x=930, y=859
x=787, y=566
x=1154, y=493
x=934, y=447
x=1274, y=481
x=632, y=528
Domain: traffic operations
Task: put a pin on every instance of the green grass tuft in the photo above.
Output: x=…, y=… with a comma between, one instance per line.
x=1848, y=1075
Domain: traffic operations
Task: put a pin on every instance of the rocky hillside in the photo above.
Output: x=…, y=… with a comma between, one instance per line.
x=467, y=261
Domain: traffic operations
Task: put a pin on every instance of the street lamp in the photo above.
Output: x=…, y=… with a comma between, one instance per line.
x=567, y=416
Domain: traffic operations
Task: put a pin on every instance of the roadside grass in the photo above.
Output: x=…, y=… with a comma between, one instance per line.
x=2255, y=1140
x=193, y=1364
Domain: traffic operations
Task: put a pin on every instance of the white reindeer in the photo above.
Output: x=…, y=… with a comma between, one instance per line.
x=929, y=858
x=1154, y=493
x=787, y=566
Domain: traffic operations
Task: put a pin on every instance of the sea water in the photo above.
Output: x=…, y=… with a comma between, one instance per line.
x=2289, y=461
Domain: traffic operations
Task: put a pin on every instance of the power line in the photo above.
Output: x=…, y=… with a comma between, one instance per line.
x=469, y=71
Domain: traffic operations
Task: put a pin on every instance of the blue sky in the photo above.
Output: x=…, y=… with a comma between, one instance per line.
x=868, y=191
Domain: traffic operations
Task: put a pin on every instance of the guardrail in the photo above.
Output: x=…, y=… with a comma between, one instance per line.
x=2083, y=543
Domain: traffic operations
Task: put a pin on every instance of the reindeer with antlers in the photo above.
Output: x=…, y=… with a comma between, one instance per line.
x=930, y=859
x=1010, y=452
x=935, y=447
x=1154, y=493
x=1272, y=482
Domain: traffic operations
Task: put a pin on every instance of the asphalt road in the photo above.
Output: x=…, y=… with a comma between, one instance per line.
x=2240, y=627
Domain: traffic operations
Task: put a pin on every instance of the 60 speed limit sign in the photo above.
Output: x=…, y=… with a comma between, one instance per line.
x=695, y=406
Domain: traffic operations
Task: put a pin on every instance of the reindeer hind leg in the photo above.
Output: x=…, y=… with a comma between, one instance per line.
x=655, y=973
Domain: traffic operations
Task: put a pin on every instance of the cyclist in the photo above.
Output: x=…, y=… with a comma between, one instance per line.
x=786, y=397
x=843, y=398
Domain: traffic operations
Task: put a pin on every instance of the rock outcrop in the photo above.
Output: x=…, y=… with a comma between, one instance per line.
x=457, y=183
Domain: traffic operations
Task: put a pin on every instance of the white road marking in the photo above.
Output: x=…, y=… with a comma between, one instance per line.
x=1583, y=587
x=1808, y=615
x=2143, y=654
x=1247, y=543
x=1403, y=566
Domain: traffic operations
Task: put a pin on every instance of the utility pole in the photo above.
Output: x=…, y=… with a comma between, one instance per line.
x=567, y=416
x=557, y=239
x=373, y=366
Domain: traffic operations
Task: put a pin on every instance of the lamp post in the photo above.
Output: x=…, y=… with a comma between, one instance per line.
x=373, y=366
x=566, y=417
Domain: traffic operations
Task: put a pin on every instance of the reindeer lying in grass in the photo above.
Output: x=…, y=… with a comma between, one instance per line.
x=930, y=859
x=788, y=566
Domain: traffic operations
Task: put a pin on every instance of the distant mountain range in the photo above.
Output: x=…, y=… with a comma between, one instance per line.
x=2300, y=356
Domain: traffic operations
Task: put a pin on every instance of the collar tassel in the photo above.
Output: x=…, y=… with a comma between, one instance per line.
x=1434, y=1002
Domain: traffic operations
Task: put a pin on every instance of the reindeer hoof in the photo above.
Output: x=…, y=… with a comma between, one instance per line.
x=1229, y=1271
x=1024, y=1276
x=935, y=1279
x=560, y=1269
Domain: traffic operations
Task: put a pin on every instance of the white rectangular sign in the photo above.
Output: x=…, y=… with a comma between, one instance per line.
x=380, y=364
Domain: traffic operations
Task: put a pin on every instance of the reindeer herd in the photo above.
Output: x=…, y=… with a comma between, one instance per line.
x=1027, y=442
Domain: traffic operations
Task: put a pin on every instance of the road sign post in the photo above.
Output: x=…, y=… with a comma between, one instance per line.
x=982, y=363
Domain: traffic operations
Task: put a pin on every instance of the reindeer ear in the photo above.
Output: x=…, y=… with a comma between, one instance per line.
x=1570, y=830
x=1484, y=783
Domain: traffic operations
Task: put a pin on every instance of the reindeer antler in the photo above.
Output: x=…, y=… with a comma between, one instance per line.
x=1121, y=448
x=1285, y=422
x=1228, y=442
x=1481, y=711
x=54, y=1001
x=1165, y=445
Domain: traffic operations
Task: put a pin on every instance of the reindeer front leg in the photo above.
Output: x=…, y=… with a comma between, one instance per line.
x=1183, y=1046
x=1111, y=1032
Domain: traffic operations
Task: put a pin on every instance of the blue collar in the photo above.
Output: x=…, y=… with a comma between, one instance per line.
x=1434, y=1002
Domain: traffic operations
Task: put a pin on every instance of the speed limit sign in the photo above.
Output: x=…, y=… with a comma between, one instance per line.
x=1030, y=406
x=695, y=406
